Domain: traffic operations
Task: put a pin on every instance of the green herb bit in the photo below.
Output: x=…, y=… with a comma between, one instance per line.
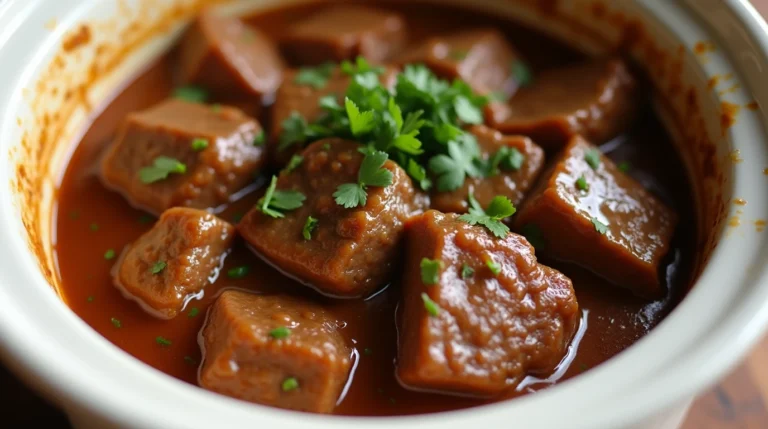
x=461, y=160
x=109, y=254
x=592, y=156
x=624, y=167
x=116, y=323
x=493, y=266
x=326, y=147
x=309, y=226
x=158, y=267
x=491, y=218
x=199, y=144
x=94, y=227
x=430, y=271
x=163, y=341
x=316, y=77
x=275, y=202
x=419, y=174
x=90, y=298
x=467, y=271
x=367, y=351
x=467, y=111
x=295, y=130
x=533, y=234
x=193, y=94
x=260, y=139
x=294, y=163
x=521, y=73
x=507, y=159
x=371, y=173
x=280, y=333
x=160, y=169
x=188, y=360
x=581, y=184
x=361, y=66
x=193, y=312
x=238, y=272
x=290, y=383
x=600, y=227
x=431, y=306
x=359, y=122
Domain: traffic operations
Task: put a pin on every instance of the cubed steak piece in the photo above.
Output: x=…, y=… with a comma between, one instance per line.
x=342, y=252
x=274, y=350
x=515, y=162
x=229, y=58
x=183, y=154
x=299, y=97
x=482, y=58
x=176, y=259
x=344, y=32
x=586, y=211
x=479, y=312
x=597, y=99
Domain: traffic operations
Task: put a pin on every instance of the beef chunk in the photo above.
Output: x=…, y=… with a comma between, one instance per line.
x=485, y=315
x=226, y=56
x=274, y=350
x=607, y=222
x=176, y=259
x=304, y=99
x=345, y=32
x=597, y=99
x=215, y=145
x=350, y=252
x=482, y=58
x=520, y=162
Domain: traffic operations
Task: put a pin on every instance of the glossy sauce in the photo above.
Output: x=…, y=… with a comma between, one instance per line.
x=90, y=220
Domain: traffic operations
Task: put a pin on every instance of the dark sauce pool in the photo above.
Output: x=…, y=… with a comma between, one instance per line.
x=90, y=220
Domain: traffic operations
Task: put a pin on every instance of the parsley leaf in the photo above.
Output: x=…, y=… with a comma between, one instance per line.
x=449, y=175
x=361, y=66
x=466, y=111
x=371, y=173
x=431, y=306
x=624, y=167
x=581, y=184
x=280, y=332
x=158, y=267
x=419, y=174
x=359, y=122
x=309, y=226
x=295, y=130
x=316, y=77
x=160, y=169
x=467, y=271
x=274, y=201
x=199, y=144
x=491, y=218
x=192, y=94
x=507, y=159
x=350, y=195
x=493, y=266
x=238, y=272
x=430, y=271
x=259, y=139
x=600, y=227
x=290, y=383
x=592, y=156
x=294, y=163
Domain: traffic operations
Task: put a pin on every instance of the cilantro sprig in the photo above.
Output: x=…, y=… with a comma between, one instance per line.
x=275, y=202
x=316, y=77
x=491, y=218
x=371, y=173
x=161, y=168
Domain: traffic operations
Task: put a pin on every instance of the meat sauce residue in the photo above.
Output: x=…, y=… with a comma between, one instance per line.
x=91, y=220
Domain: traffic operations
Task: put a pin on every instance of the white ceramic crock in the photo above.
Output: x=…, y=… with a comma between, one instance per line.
x=45, y=95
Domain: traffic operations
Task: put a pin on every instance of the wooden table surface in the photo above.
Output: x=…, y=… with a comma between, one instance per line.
x=740, y=401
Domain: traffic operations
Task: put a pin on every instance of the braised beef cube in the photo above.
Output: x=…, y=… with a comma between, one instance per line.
x=303, y=98
x=343, y=33
x=597, y=99
x=274, y=350
x=479, y=312
x=482, y=58
x=226, y=56
x=350, y=251
x=518, y=163
x=183, y=154
x=174, y=260
x=588, y=212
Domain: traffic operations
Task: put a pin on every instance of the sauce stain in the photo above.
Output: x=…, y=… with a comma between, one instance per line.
x=79, y=38
x=740, y=201
x=752, y=105
x=51, y=24
x=735, y=156
x=734, y=221
x=760, y=225
x=713, y=81
x=730, y=90
x=728, y=113
x=703, y=47
x=765, y=171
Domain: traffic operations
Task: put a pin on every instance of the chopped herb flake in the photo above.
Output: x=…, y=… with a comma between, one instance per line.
x=163, y=341
x=294, y=163
x=600, y=227
x=367, y=351
x=430, y=271
x=432, y=308
x=309, y=226
x=116, y=323
x=493, y=266
x=260, y=139
x=371, y=173
x=295, y=130
x=507, y=159
x=592, y=156
x=158, y=267
x=467, y=271
x=491, y=218
x=160, y=169
x=275, y=202
x=316, y=77
x=624, y=167
x=238, y=272
x=280, y=333
x=289, y=384
x=193, y=94
x=199, y=144
x=109, y=254
x=581, y=184
x=193, y=312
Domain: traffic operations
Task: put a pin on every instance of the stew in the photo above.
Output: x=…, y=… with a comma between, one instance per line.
x=377, y=209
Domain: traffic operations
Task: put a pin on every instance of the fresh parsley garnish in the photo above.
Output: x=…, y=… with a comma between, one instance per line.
x=294, y=163
x=280, y=332
x=624, y=167
x=110, y=254
x=316, y=77
x=600, y=227
x=371, y=173
x=581, y=184
x=592, y=156
x=461, y=160
x=309, y=226
x=259, y=139
x=193, y=312
x=431, y=306
x=507, y=159
x=161, y=167
x=116, y=323
x=163, y=341
x=491, y=218
x=295, y=130
x=158, y=267
x=290, y=383
x=275, y=202
x=360, y=66
x=193, y=94
x=430, y=271
x=493, y=266
x=467, y=271
x=238, y=272
x=199, y=144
